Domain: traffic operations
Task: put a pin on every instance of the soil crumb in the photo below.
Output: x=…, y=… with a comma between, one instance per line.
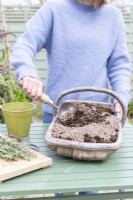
x=91, y=123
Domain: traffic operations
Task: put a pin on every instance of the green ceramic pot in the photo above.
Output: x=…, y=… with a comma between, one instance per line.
x=18, y=117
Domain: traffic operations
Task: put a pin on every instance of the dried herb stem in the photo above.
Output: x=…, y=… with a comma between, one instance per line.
x=6, y=34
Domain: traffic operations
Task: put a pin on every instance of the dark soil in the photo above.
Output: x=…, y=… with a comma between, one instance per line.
x=86, y=114
x=90, y=123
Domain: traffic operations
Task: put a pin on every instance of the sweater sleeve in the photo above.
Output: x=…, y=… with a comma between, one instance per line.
x=31, y=42
x=118, y=66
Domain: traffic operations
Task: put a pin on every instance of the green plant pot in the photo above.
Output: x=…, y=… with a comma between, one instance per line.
x=18, y=117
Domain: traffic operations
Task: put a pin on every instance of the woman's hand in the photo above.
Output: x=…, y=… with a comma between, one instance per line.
x=118, y=110
x=32, y=86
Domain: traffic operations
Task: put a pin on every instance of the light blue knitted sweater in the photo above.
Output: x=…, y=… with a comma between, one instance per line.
x=85, y=47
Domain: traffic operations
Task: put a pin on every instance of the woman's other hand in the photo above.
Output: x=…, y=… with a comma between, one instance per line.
x=32, y=86
x=118, y=110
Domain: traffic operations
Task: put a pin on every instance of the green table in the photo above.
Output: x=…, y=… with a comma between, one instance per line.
x=114, y=176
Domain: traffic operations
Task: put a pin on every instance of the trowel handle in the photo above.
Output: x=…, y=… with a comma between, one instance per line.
x=45, y=98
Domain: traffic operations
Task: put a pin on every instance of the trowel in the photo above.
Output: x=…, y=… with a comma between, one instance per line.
x=66, y=107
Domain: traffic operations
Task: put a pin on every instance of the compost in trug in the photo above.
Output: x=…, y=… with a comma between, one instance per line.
x=91, y=123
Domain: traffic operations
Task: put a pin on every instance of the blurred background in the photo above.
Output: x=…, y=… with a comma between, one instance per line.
x=35, y=2
x=18, y=12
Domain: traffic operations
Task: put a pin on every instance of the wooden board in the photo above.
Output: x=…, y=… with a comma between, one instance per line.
x=10, y=169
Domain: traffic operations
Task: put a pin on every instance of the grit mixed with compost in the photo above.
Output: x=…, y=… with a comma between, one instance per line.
x=91, y=123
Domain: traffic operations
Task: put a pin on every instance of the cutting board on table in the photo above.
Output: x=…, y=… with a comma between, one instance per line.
x=10, y=169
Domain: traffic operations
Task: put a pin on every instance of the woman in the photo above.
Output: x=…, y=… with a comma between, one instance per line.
x=86, y=46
